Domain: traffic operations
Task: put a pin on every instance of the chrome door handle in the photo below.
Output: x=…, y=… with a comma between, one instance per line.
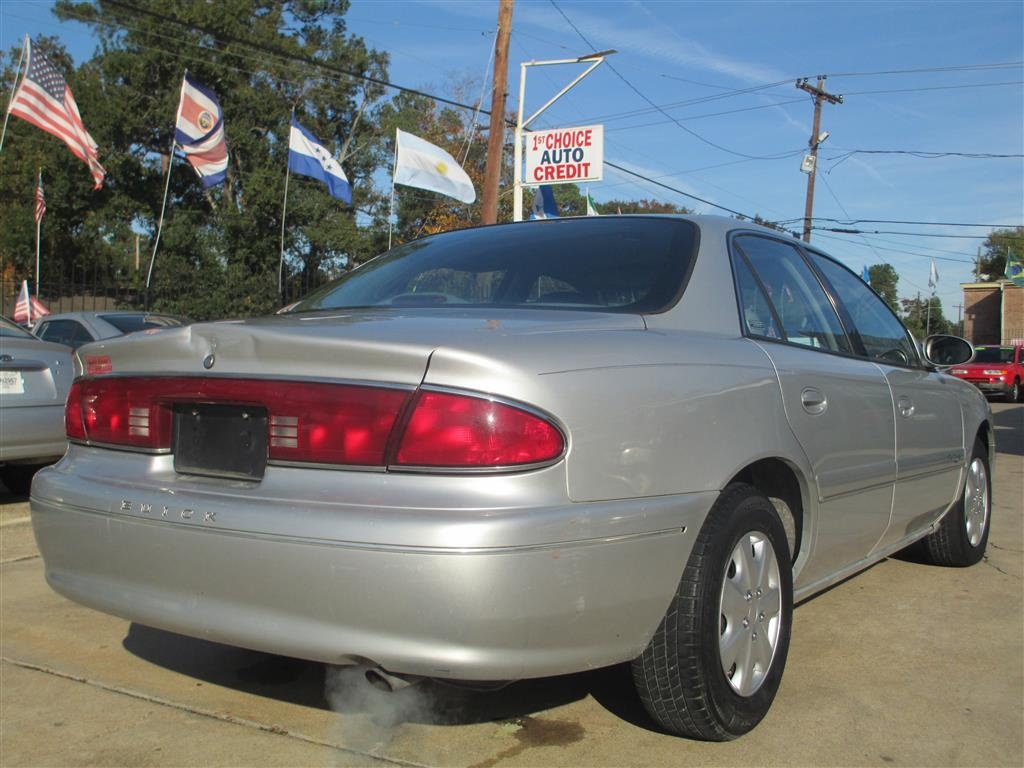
x=905, y=406
x=813, y=401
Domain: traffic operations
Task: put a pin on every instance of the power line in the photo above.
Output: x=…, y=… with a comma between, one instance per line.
x=846, y=231
x=962, y=68
x=897, y=250
x=289, y=55
x=936, y=88
x=851, y=222
x=713, y=114
x=655, y=106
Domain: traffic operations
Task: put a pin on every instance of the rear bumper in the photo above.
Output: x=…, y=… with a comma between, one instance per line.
x=481, y=597
x=32, y=433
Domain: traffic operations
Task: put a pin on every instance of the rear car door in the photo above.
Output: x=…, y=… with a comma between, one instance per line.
x=838, y=404
x=930, y=450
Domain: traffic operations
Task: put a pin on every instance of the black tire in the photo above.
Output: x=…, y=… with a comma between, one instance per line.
x=1014, y=395
x=18, y=477
x=680, y=676
x=962, y=535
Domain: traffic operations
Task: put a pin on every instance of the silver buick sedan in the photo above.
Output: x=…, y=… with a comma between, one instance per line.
x=524, y=450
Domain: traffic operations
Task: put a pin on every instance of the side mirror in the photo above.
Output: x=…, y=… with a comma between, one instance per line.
x=944, y=351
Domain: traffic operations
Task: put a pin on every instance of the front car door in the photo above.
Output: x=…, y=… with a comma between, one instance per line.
x=930, y=450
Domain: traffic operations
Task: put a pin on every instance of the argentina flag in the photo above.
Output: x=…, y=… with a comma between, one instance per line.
x=308, y=157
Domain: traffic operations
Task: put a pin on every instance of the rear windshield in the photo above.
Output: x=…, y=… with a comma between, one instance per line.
x=7, y=328
x=993, y=355
x=606, y=264
x=133, y=323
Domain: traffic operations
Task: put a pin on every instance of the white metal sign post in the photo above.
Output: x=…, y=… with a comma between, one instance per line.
x=593, y=59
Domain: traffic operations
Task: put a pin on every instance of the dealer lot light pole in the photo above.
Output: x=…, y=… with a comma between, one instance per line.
x=522, y=125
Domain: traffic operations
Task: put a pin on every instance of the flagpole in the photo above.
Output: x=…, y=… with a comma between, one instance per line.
x=160, y=221
x=39, y=224
x=14, y=88
x=391, y=212
x=284, y=210
x=167, y=186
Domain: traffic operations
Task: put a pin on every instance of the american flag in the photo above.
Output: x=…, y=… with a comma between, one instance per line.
x=40, y=200
x=27, y=308
x=44, y=99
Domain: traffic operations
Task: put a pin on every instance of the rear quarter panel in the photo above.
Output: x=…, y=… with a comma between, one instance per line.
x=647, y=413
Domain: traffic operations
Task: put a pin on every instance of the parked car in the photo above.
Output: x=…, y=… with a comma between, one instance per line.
x=995, y=370
x=525, y=450
x=35, y=377
x=77, y=328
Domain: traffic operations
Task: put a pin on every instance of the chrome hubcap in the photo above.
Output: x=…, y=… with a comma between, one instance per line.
x=750, y=613
x=976, y=502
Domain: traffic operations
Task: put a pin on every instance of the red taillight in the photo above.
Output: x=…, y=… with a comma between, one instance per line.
x=312, y=422
x=74, y=424
x=332, y=424
x=119, y=411
x=459, y=431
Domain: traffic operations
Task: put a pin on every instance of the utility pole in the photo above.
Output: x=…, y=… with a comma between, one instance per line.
x=820, y=95
x=496, y=138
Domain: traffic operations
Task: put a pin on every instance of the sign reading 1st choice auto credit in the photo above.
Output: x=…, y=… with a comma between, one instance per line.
x=565, y=155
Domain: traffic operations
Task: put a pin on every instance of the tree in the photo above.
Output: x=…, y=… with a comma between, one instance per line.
x=920, y=320
x=999, y=244
x=641, y=206
x=219, y=249
x=884, y=280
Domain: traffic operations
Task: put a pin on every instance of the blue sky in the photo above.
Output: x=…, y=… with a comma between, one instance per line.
x=678, y=54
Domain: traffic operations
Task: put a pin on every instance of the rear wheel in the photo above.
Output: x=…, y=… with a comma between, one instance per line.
x=713, y=667
x=962, y=535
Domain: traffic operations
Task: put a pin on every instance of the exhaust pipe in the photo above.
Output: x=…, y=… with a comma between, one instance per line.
x=383, y=680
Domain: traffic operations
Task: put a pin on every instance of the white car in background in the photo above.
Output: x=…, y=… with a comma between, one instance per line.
x=77, y=328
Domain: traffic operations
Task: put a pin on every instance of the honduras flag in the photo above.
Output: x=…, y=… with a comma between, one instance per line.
x=307, y=156
x=544, y=206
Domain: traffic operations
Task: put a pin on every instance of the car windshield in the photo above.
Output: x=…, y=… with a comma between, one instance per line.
x=11, y=330
x=133, y=323
x=993, y=355
x=635, y=264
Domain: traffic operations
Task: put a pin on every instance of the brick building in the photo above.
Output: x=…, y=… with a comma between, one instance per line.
x=993, y=312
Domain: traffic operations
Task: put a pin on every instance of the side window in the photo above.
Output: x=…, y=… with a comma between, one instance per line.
x=66, y=332
x=801, y=305
x=44, y=332
x=883, y=335
x=757, y=316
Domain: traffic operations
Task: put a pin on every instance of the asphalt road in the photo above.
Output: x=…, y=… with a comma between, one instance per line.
x=905, y=664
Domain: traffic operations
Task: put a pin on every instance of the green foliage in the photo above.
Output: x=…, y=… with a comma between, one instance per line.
x=923, y=320
x=639, y=206
x=998, y=246
x=884, y=280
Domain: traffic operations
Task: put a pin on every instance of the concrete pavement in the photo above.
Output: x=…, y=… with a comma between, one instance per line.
x=905, y=664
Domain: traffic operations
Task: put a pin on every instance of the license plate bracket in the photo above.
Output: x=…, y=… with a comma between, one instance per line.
x=220, y=440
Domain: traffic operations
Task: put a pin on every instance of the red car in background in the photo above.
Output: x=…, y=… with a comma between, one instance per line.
x=995, y=371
